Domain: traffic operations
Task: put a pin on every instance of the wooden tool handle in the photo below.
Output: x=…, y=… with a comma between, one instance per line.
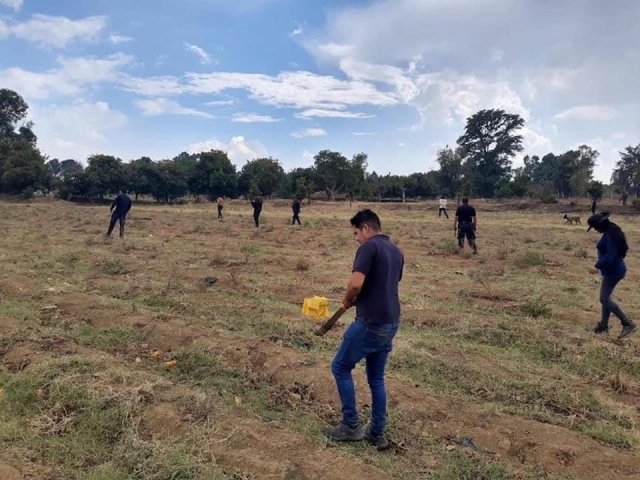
x=326, y=326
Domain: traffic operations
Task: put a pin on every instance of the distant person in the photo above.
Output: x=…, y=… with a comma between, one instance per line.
x=220, y=207
x=257, y=209
x=612, y=249
x=373, y=289
x=594, y=206
x=443, y=207
x=295, y=206
x=465, y=224
x=122, y=205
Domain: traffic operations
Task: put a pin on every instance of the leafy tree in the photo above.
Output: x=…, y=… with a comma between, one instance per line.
x=24, y=169
x=626, y=174
x=170, y=180
x=108, y=174
x=332, y=169
x=596, y=190
x=489, y=143
x=520, y=183
x=140, y=174
x=450, y=173
x=266, y=173
x=213, y=175
x=503, y=188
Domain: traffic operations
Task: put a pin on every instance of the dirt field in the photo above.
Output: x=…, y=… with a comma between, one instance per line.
x=496, y=347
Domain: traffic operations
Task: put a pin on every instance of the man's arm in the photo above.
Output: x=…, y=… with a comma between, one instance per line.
x=361, y=267
x=455, y=222
x=113, y=204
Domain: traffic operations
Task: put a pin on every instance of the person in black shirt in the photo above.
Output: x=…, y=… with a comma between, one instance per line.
x=295, y=206
x=464, y=225
x=257, y=209
x=122, y=204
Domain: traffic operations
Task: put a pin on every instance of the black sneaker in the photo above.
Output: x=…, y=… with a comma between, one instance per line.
x=627, y=330
x=599, y=328
x=344, y=433
x=380, y=441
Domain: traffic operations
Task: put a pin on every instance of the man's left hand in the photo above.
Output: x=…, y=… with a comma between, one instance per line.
x=593, y=270
x=347, y=304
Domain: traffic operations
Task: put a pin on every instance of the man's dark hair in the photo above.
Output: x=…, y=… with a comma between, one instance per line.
x=366, y=217
x=465, y=200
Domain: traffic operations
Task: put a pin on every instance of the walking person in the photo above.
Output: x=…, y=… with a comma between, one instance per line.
x=122, y=205
x=373, y=289
x=443, y=207
x=612, y=249
x=295, y=206
x=594, y=206
x=257, y=209
x=465, y=224
x=220, y=207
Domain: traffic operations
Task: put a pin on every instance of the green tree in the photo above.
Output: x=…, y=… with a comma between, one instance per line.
x=267, y=174
x=140, y=174
x=24, y=169
x=596, y=190
x=170, y=180
x=332, y=170
x=107, y=173
x=450, y=172
x=626, y=174
x=489, y=143
x=214, y=175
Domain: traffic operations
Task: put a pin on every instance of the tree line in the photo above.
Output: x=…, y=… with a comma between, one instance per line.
x=480, y=165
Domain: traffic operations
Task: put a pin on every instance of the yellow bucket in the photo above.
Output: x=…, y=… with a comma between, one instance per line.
x=316, y=307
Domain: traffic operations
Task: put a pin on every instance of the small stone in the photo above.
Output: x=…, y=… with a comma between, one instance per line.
x=295, y=397
x=448, y=448
x=504, y=444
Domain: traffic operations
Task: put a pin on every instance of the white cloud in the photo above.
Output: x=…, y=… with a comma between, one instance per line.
x=216, y=103
x=292, y=89
x=152, y=86
x=70, y=78
x=55, y=31
x=238, y=148
x=253, y=118
x=296, y=32
x=164, y=106
x=15, y=4
x=76, y=130
x=309, y=132
x=589, y=112
x=205, y=58
x=116, y=38
x=362, y=134
x=316, y=112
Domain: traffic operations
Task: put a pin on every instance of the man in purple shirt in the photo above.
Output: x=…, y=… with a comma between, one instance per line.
x=373, y=289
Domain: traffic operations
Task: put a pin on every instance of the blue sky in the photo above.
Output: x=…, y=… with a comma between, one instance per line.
x=287, y=78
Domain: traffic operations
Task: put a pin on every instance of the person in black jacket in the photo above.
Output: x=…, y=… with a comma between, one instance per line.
x=464, y=225
x=295, y=206
x=122, y=205
x=257, y=209
x=612, y=249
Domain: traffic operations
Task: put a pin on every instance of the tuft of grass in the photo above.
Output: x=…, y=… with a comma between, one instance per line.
x=458, y=466
x=302, y=265
x=113, y=267
x=530, y=258
x=450, y=246
x=581, y=253
x=106, y=338
x=536, y=307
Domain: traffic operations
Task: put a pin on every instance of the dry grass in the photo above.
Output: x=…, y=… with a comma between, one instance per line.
x=118, y=360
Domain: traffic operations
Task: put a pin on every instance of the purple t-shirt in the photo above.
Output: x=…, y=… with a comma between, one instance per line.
x=382, y=262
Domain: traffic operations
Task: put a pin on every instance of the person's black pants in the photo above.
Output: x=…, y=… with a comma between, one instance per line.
x=256, y=218
x=441, y=211
x=220, y=207
x=114, y=218
x=466, y=230
x=609, y=306
x=296, y=218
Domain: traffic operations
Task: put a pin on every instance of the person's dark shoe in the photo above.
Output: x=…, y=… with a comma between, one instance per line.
x=344, y=433
x=599, y=328
x=627, y=330
x=380, y=441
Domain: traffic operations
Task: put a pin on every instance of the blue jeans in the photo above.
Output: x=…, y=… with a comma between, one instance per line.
x=609, y=306
x=373, y=343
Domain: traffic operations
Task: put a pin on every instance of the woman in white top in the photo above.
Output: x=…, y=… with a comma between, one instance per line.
x=443, y=207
